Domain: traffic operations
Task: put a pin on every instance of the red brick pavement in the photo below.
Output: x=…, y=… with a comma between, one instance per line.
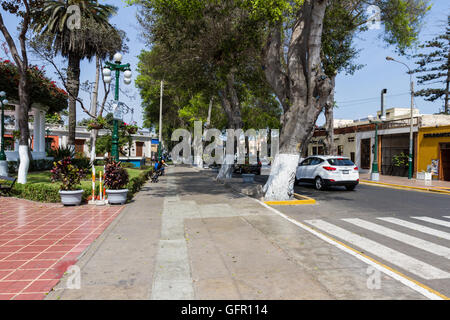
x=38, y=242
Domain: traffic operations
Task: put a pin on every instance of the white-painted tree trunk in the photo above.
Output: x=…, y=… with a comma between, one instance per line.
x=24, y=164
x=280, y=186
x=226, y=170
x=93, y=140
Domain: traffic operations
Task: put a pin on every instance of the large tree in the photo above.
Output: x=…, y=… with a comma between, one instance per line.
x=434, y=68
x=297, y=75
x=207, y=46
x=293, y=59
x=22, y=9
x=53, y=22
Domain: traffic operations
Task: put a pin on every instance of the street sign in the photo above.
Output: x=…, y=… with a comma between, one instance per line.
x=117, y=110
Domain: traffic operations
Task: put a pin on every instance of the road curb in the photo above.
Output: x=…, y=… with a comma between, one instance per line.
x=300, y=200
x=399, y=186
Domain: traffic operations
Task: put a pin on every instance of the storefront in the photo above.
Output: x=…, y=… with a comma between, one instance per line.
x=434, y=152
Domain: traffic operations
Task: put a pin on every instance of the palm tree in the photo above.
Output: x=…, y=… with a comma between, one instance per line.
x=52, y=23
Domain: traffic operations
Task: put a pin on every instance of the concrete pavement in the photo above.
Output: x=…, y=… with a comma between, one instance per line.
x=189, y=237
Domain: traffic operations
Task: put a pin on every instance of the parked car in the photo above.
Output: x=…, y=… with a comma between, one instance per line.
x=325, y=171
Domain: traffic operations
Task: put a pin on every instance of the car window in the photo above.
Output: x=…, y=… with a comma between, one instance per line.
x=316, y=161
x=306, y=162
x=340, y=162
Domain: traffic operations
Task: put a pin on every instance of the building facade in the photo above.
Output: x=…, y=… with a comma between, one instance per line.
x=356, y=140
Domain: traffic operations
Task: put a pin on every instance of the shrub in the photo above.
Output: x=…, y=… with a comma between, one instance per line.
x=67, y=174
x=82, y=162
x=61, y=153
x=42, y=192
x=116, y=177
x=127, y=165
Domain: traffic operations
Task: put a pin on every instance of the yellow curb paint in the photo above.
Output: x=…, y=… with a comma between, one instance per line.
x=398, y=186
x=301, y=200
x=381, y=264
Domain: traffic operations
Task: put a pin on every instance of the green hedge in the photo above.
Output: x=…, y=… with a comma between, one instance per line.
x=49, y=192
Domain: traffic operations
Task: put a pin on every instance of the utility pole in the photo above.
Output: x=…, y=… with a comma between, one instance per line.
x=160, y=121
x=411, y=129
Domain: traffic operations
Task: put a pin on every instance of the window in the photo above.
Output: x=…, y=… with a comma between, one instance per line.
x=316, y=161
x=340, y=150
x=340, y=162
x=306, y=162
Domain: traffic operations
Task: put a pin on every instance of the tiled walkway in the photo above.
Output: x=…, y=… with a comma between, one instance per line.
x=38, y=242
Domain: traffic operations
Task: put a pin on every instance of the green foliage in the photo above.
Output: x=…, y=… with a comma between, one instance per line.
x=98, y=123
x=42, y=89
x=65, y=172
x=434, y=67
x=400, y=160
x=43, y=192
x=116, y=177
x=127, y=165
x=61, y=153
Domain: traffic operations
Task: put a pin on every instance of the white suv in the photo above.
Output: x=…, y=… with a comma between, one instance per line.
x=326, y=171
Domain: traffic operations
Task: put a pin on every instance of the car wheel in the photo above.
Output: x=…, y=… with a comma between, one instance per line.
x=350, y=188
x=319, y=184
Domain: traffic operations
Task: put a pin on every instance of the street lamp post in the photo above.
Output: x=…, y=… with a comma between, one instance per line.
x=3, y=162
x=411, y=129
x=117, y=67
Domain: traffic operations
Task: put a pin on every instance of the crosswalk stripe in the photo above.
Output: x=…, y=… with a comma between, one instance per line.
x=435, y=221
x=418, y=227
x=402, y=237
x=408, y=263
x=448, y=217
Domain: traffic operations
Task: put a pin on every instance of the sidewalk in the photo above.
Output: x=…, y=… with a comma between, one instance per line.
x=189, y=237
x=403, y=182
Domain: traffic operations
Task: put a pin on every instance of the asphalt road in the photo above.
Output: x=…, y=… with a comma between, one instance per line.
x=408, y=231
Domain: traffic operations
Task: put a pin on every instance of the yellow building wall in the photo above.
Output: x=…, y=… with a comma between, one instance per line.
x=429, y=147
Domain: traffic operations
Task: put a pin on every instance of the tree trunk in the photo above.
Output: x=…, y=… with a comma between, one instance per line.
x=447, y=87
x=330, y=147
x=94, y=133
x=302, y=88
x=24, y=106
x=73, y=86
x=232, y=107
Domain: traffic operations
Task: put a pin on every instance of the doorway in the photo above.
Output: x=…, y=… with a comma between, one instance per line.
x=445, y=161
x=365, y=154
x=139, y=149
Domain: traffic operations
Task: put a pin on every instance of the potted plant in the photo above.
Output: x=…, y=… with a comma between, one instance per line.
x=131, y=129
x=70, y=177
x=96, y=124
x=401, y=164
x=116, y=178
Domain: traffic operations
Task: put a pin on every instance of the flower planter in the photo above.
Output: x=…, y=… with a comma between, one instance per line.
x=248, y=178
x=96, y=126
x=117, y=196
x=71, y=198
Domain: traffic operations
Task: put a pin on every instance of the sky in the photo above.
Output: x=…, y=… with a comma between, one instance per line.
x=357, y=95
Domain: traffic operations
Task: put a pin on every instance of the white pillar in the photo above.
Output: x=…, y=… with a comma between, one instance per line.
x=36, y=131
x=16, y=126
x=42, y=132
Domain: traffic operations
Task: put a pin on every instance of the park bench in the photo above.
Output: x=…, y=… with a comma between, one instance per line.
x=5, y=189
